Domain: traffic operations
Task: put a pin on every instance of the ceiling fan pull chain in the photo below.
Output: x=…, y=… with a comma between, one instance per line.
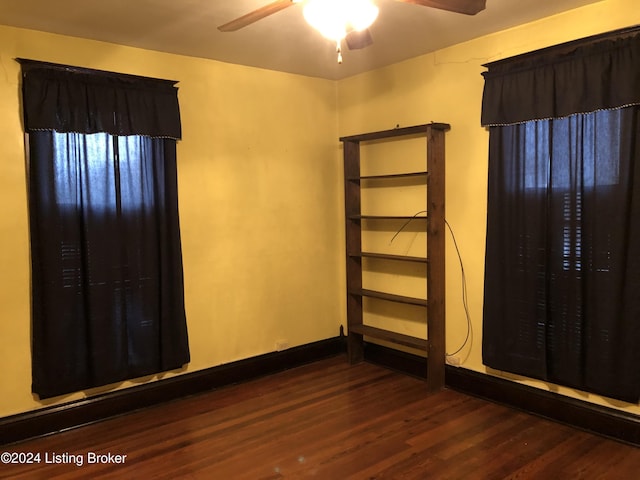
x=339, y=52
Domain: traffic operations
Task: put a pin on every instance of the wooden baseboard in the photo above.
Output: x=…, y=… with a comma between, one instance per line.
x=54, y=419
x=597, y=419
x=604, y=421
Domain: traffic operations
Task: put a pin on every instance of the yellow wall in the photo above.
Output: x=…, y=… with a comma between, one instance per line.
x=260, y=196
x=446, y=86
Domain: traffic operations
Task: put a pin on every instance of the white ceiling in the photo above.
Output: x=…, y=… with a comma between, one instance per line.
x=282, y=41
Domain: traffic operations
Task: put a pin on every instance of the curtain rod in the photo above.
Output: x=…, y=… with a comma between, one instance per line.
x=90, y=71
x=567, y=46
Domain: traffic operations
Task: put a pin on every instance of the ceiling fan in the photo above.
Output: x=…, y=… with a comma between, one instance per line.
x=355, y=36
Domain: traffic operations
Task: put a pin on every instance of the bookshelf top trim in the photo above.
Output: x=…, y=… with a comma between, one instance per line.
x=396, y=132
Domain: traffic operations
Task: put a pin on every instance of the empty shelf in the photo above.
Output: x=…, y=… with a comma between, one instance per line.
x=389, y=336
x=389, y=297
x=386, y=256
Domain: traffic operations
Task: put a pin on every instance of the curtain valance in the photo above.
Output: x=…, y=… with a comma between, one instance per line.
x=70, y=99
x=578, y=77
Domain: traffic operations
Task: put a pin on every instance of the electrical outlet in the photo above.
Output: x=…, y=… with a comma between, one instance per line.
x=453, y=360
x=282, y=345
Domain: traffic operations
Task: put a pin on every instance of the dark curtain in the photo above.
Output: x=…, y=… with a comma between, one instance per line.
x=562, y=267
x=107, y=281
x=71, y=99
x=580, y=77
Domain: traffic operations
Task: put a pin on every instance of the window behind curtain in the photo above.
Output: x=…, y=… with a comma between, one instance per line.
x=107, y=281
x=563, y=227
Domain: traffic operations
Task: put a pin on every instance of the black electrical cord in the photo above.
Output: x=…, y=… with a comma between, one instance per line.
x=465, y=301
x=405, y=224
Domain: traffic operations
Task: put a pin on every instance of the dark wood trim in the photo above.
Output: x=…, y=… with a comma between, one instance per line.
x=53, y=419
x=393, y=176
x=436, y=268
x=390, y=336
x=353, y=244
x=397, y=360
x=434, y=215
x=605, y=421
x=390, y=297
x=396, y=132
x=387, y=217
x=386, y=256
x=597, y=419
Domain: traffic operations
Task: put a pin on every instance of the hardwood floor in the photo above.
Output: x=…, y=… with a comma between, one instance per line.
x=332, y=421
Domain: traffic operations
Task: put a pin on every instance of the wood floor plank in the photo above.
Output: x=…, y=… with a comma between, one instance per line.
x=330, y=420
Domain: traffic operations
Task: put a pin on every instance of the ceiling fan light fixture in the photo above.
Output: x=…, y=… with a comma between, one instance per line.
x=334, y=18
x=362, y=14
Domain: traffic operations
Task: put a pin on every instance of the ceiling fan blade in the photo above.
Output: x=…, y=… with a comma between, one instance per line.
x=467, y=7
x=256, y=15
x=358, y=39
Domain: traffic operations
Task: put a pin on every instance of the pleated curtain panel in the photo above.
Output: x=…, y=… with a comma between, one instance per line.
x=107, y=276
x=562, y=275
